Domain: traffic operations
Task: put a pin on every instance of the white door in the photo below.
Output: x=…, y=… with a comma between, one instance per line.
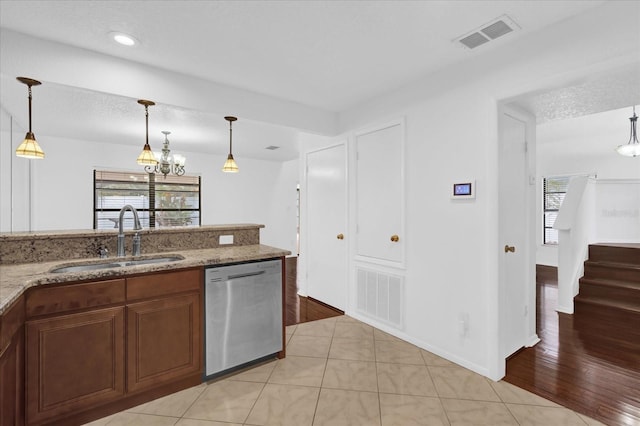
x=514, y=220
x=379, y=195
x=326, y=226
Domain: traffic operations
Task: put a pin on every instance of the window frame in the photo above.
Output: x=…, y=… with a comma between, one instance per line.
x=564, y=180
x=152, y=193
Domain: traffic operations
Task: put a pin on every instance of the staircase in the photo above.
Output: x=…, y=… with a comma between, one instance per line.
x=608, y=306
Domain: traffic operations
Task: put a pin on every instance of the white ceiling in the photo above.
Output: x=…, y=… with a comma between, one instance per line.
x=327, y=55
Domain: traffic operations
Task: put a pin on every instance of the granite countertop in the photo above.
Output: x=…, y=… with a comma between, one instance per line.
x=92, y=232
x=15, y=279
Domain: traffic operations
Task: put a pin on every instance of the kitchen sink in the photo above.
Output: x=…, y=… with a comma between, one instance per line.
x=111, y=264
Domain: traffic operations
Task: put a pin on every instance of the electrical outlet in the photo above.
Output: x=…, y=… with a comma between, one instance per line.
x=226, y=239
x=463, y=324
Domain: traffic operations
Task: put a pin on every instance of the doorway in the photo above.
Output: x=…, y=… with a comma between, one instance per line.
x=516, y=218
x=327, y=237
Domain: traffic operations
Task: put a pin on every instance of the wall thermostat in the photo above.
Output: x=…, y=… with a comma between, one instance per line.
x=463, y=190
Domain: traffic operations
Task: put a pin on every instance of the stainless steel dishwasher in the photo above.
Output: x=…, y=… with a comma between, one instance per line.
x=243, y=314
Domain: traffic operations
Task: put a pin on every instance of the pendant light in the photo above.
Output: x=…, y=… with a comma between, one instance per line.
x=631, y=148
x=230, y=165
x=146, y=157
x=29, y=147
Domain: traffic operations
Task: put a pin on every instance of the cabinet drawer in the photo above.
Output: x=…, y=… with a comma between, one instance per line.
x=160, y=284
x=50, y=300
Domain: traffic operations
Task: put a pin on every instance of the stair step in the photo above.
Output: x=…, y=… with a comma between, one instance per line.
x=606, y=289
x=602, y=344
x=608, y=320
x=608, y=307
x=614, y=252
x=612, y=270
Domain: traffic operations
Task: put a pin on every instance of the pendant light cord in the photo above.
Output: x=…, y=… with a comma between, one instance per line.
x=30, y=109
x=230, y=137
x=146, y=120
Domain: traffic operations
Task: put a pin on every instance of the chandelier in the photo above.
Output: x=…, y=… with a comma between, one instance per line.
x=167, y=163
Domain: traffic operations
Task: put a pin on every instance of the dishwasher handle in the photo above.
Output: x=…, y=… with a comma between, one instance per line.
x=247, y=274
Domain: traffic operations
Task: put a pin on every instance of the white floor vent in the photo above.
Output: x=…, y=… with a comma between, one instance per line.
x=380, y=296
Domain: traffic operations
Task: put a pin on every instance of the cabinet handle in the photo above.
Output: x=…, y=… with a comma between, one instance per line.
x=509, y=248
x=395, y=238
x=340, y=237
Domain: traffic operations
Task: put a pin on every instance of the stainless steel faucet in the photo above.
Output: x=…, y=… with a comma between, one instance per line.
x=136, y=226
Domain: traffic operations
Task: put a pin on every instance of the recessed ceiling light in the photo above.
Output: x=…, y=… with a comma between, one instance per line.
x=123, y=39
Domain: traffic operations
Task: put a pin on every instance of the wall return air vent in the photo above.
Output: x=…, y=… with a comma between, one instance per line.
x=489, y=31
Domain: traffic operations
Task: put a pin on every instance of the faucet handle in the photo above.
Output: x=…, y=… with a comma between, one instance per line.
x=103, y=252
x=136, y=244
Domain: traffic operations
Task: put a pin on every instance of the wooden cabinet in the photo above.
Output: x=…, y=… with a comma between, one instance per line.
x=74, y=362
x=99, y=346
x=164, y=333
x=75, y=348
x=12, y=365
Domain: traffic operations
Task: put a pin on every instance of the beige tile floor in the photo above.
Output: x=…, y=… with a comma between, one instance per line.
x=340, y=371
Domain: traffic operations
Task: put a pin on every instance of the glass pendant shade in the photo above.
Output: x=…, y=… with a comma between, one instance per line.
x=230, y=165
x=631, y=148
x=29, y=148
x=147, y=157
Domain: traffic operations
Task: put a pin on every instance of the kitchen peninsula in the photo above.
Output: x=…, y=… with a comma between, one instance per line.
x=79, y=345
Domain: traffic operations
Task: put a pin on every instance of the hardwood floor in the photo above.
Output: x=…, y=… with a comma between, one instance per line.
x=299, y=308
x=572, y=367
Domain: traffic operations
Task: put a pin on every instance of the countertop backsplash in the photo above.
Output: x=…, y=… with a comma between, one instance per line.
x=30, y=247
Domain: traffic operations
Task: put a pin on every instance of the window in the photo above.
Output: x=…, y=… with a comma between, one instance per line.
x=555, y=189
x=160, y=201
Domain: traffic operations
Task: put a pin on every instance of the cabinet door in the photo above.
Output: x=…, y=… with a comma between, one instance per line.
x=380, y=195
x=12, y=382
x=163, y=340
x=74, y=362
x=12, y=365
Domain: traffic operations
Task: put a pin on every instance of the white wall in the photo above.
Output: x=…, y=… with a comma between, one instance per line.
x=15, y=178
x=62, y=188
x=584, y=145
x=451, y=117
x=282, y=209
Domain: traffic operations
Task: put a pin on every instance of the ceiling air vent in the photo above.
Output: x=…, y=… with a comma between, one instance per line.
x=489, y=31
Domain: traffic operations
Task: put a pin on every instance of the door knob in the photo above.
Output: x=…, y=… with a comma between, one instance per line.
x=340, y=237
x=508, y=248
x=395, y=238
